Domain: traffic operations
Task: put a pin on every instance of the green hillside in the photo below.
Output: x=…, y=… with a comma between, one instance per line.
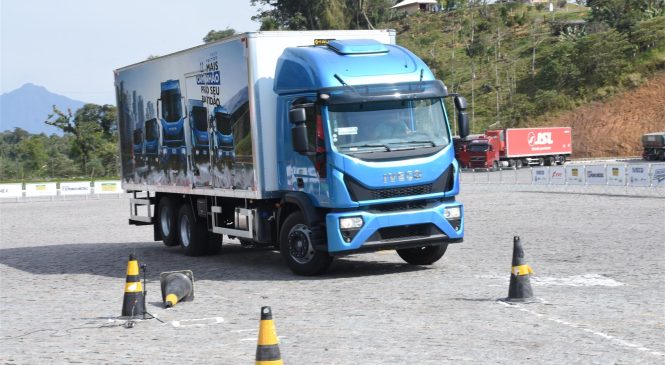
x=530, y=63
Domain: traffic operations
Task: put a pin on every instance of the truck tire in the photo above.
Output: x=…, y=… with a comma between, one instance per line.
x=192, y=234
x=495, y=166
x=541, y=161
x=518, y=164
x=425, y=255
x=166, y=220
x=551, y=161
x=297, y=249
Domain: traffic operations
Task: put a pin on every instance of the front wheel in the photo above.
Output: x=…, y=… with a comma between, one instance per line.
x=425, y=255
x=297, y=248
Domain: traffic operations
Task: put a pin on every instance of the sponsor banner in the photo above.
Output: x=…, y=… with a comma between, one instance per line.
x=638, y=175
x=107, y=187
x=575, y=175
x=658, y=175
x=540, y=176
x=557, y=175
x=595, y=175
x=11, y=190
x=616, y=175
x=75, y=188
x=41, y=189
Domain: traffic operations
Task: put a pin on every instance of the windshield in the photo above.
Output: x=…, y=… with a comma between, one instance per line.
x=223, y=123
x=388, y=125
x=151, y=130
x=199, y=118
x=478, y=147
x=171, y=105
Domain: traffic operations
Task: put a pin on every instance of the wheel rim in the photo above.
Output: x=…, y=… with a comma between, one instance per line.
x=165, y=219
x=300, y=246
x=184, y=231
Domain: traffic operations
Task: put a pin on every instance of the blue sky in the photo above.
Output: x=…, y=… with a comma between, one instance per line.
x=71, y=47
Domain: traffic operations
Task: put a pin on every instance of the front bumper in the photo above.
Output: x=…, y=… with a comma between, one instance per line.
x=396, y=229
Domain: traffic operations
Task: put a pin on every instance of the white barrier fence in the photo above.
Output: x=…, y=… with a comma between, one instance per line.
x=63, y=189
x=622, y=178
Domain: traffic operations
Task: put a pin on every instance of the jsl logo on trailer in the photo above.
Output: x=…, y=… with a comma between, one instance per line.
x=540, y=138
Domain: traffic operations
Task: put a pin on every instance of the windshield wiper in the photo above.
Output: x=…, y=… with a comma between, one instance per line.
x=423, y=141
x=377, y=145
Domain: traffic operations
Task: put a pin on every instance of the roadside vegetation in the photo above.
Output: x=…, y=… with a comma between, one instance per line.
x=518, y=65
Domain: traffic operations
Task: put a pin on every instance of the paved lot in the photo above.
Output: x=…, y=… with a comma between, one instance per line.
x=599, y=263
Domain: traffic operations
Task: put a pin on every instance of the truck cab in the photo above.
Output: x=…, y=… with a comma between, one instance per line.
x=366, y=143
x=481, y=152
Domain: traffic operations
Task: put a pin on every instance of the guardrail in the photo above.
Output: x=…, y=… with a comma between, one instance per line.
x=62, y=190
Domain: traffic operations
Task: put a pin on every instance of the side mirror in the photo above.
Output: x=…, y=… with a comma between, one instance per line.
x=462, y=117
x=299, y=140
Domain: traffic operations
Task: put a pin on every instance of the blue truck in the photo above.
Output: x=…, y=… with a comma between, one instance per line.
x=347, y=148
x=172, y=120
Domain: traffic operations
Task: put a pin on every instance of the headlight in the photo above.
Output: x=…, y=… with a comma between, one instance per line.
x=350, y=223
x=452, y=213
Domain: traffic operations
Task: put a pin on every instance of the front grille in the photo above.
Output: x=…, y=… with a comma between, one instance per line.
x=400, y=206
x=402, y=191
x=408, y=231
x=359, y=192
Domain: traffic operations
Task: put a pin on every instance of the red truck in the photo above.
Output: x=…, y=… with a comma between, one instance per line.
x=516, y=147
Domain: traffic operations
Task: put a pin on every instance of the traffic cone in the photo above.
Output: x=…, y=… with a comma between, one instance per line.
x=134, y=302
x=267, y=349
x=177, y=286
x=520, y=284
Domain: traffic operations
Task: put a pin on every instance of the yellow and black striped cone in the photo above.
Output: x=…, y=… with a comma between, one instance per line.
x=267, y=349
x=520, y=273
x=134, y=302
x=177, y=286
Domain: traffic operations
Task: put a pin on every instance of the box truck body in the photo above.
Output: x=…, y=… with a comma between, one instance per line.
x=265, y=137
x=516, y=147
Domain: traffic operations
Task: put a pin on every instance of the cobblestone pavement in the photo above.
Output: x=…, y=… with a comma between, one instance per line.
x=599, y=263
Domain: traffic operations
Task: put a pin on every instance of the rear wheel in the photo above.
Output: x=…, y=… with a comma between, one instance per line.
x=166, y=220
x=297, y=248
x=541, y=161
x=425, y=255
x=518, y=164
x=551, y=161
x=192, y=234
x=512, y=163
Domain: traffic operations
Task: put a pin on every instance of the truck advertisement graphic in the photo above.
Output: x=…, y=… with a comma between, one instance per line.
x=181, y=143
x=538, y=141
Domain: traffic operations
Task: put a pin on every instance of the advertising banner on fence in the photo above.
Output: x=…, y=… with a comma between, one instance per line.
x=575, y=175
x=638, y=175
x=557, y=175
x=658, y=175
x=540, y=176
x=75, y=188
x=107, y=187
x=616, y=175
x=41, y=189
x=595, y=175
x=11, y=190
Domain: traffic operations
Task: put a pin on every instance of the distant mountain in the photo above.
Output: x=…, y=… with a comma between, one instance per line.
x=28, y=107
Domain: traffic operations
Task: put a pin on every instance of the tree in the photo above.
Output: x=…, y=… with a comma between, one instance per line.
x=215, y=35
x=91, y=126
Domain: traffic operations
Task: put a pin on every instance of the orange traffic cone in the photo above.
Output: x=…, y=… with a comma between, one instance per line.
x=134, y=302
x=520, y=273
x=267, y=349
